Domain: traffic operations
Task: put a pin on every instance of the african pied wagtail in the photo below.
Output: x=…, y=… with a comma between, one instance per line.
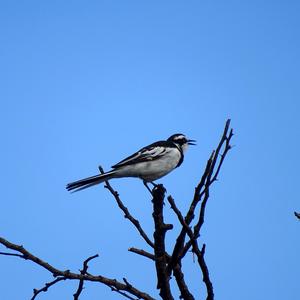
x=149, y=163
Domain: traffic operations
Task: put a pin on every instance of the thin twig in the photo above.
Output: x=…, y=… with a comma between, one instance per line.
x=127, y=214
x=205, y=273
x=196, y=250
x=12, y=254
x=83, y=271
x=123, y=294
x=46, y=287
x=142, y=253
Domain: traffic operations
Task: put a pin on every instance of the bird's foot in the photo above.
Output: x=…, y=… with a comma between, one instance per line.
x=155, y=186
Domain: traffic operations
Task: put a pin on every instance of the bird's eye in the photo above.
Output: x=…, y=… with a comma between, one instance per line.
x=182, y=141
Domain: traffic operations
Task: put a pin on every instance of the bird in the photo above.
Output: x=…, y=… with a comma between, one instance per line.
x=149, y=163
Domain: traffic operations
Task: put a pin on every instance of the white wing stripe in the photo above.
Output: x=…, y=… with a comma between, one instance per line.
x=144, y=154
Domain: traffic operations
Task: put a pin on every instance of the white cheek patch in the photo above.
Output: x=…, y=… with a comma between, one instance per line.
x=184, y=147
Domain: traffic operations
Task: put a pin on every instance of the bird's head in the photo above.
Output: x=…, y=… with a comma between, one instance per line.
x=181, y=141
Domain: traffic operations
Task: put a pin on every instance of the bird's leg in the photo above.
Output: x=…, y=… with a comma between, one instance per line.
x=146, y=185
x=154, y=184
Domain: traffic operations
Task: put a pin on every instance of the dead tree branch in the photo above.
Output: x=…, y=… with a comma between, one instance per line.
x=165, y=264
x=67, y=274
x=142, y=253
x=179, y=276
x=201, y=195
x=46, y=287
x=83, y=272
x=199, y=253
x=126, y=212
x=159, y=243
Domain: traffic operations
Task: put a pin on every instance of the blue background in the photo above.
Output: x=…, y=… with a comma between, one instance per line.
x=85, y=83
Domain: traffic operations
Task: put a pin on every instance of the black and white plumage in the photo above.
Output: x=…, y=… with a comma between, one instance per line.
x=149, y=163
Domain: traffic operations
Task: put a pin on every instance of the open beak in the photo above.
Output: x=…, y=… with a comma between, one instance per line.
x=191, y=142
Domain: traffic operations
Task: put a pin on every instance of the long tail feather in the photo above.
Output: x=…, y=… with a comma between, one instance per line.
x=88, y=182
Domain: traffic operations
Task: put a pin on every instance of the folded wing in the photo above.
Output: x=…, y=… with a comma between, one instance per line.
x=149, y=153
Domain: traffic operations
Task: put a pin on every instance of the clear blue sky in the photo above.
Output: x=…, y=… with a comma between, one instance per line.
x=85, y=83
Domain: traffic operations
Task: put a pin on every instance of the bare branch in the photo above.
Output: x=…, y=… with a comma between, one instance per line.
x=201, y=190
x=127, y=214
x=159, y=243
x=177, y=269
x=142, y=253
x=196, y=250
x=12, y=254
x=112, y=283
x=177, y=251
x=123, y=294
x=184, y=290
x=207, y=185
x=205, y=273
x=46, y=287
x=83, y=271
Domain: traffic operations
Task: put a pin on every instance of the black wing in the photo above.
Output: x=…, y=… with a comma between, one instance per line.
x=148, y=153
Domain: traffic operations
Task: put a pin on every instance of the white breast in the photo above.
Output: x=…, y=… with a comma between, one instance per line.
x=154, y=169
